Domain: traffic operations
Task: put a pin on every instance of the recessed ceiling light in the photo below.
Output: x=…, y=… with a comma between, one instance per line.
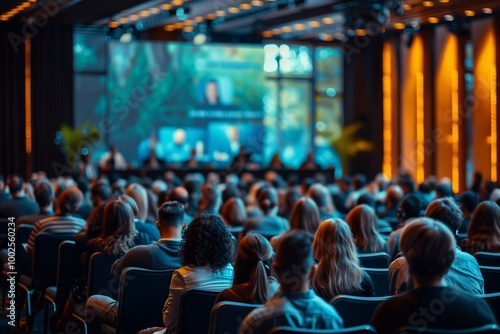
x=299, y=26
x=433, y=19
x=220, y=13
x=407, y=7
x=166, y=6
x=245, y=6
x=487, y=10
x=327, y=20
x=177, y=2
x=178, y=25
x=314, y=24
x=267, y=34
x=188, y=29
x=211, y=16
x=144, y=13
x=276, y=31
x=428, y=3
x=399, y=25
x=233, y=10
x=469, y=12
x=257, y=3
x=444, y=1
x=169, y=27
x=199, y=19
x=188, y=22
x=325, y=37
x=154, y=10
x=286, y=29
x=113, y=24
x=123, y=20
x=449, y=17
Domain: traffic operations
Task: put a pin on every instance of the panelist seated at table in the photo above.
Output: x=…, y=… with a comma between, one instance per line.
x=178, y=150
x=112, y=160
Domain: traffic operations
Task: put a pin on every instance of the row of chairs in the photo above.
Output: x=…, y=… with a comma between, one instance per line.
x=488, y=329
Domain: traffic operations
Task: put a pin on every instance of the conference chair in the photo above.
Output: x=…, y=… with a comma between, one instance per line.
x=374, y=260
x=194, y=311
x=4, y=230
x=136, y=285
x=356, y=311
x=353, y=330
x=68, y=269
x=227, y=317
x=488, y=259
x=44, y=269
x=491, y=277
x=488, y=329
x=380, y=278
x=100, y=279
x=493, y=299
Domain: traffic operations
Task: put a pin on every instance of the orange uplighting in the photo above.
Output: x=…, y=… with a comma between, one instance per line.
x=267, y=34
x=493, y=121
x=420, y=126
x=387, y=110
x=27, y=93
x=113, y=24
x=166, y=6
x=433, y=19
x=455, y=181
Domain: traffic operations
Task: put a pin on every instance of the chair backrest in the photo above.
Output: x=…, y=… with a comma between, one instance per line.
x=380, y=278
x=356, y=311
x=4, y=229
x=23, y=265
x=142, y=284
x=68, y=268
x=488, y=259
x=491, y=277
x=488, y=329
x=375, y=260
x=227, y=317
x=100, y=279
x=493, y=299
x=353, y=330
x=45, y=258
x=195, y=309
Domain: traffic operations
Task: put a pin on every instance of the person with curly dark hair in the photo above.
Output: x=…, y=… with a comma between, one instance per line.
x=206, y=254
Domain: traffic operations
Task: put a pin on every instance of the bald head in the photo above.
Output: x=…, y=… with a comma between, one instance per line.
x=15, y=184
x=179, y=194
x=140, y=196
x=319, y=194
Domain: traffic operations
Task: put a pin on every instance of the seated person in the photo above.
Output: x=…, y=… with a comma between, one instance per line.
x=162, y=255
x=464, y=272
x=338, y=272
x=210, y=199
x=363, y=223
x=320, y=195
x=44, y=196
x=112, y=160
x=295, y=304
x=429, y=247
x=270, y=222
x=206, y=254
x=483, y=234
x=252, y=283
x=468, y=203
x=20, y=204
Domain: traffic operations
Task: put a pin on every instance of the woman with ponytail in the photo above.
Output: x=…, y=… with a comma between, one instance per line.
x=338, y=269
x=252, y=281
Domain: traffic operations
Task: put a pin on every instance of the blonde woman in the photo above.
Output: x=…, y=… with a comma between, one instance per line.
x=363, y=223
x=338, y=269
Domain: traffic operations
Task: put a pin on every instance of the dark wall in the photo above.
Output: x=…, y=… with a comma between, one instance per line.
x=52, y=96
x=364, y=98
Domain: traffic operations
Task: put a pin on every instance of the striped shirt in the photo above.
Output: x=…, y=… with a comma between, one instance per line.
x=54, y=224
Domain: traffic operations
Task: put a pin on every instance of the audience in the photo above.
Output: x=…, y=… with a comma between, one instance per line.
x=162, y=255
x=363, y=223
x=429, y=247
x=483, y=234
x=140, y=196
x=392, y=200
x=338, y=272
x=464, y=271
x=19, y=205
x=233, y=212
x=295, y=304
x=44, y=195
x=210, y=199
x=4, y=192
x=252, y=282
x=321, y=196
x=86, y=207
x=181, y=195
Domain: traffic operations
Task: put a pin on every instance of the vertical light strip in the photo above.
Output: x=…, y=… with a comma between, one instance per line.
x=387, y=86
x=420, y=127
x=455, y=181
x=493, y=121
x=27, y=93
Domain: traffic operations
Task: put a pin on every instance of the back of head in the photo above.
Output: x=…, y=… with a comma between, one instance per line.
x=267, y=199
x=70, y=200
x=469, y=201
x=366, y=199
x=484, y=228
x=206, y=241
x=429, y=248
x=171, y=214
x=319, y=194
x=128, y=200
x=118, y=219
x=210, y=198
x=15, y=184
x=179, y=194
x=447, y=212
x=140, y=196
x=101, y=190
x=231, y=191
x=294, y=259
x=44, y=194
x=334, y=241
x=394, y=194
x=83, y=184
x=358, y=181
x=444, y=190
x=410, y=207
x=234, y=212
x=363, y=223
x=407, y=184
x=305, y=216
x=252, y=266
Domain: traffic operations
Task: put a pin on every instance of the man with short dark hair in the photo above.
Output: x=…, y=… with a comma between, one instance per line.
x=296, y=304
x=162, y=255
x=20, y=205
x=468, y=203
x=44, y=195
x=464, y=272
x=181, y=195
x=430, y=248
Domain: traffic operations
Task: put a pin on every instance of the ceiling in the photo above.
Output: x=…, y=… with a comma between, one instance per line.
x=278, y=19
